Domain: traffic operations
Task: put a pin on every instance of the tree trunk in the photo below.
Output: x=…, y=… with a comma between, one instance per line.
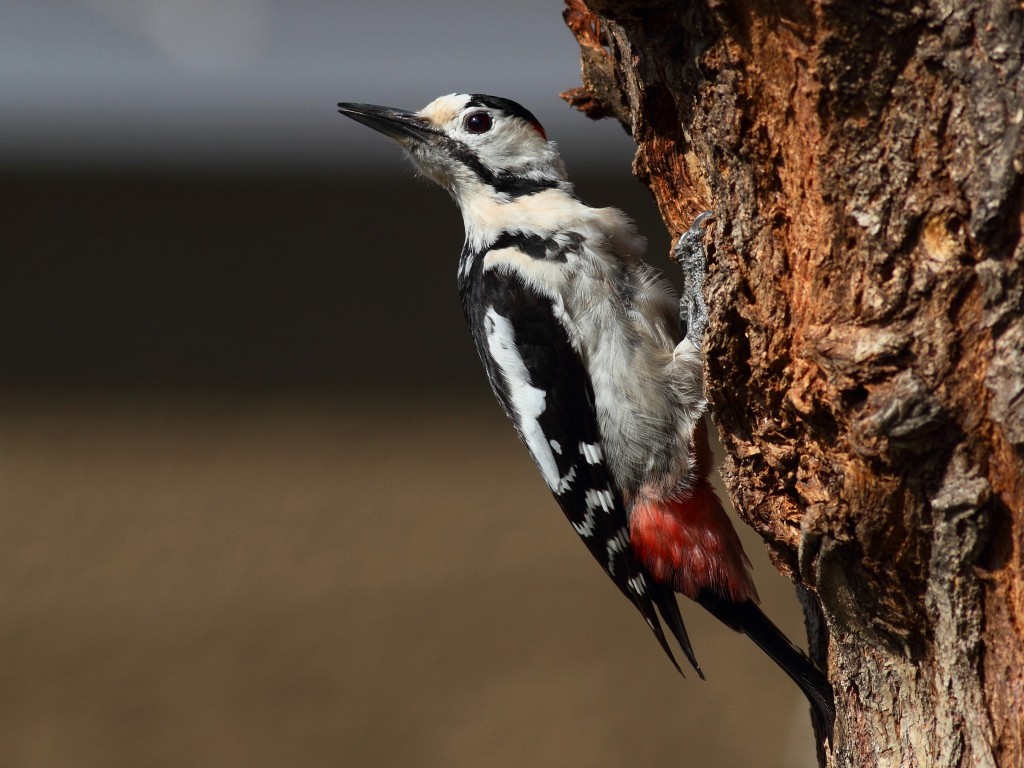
x=866, y=345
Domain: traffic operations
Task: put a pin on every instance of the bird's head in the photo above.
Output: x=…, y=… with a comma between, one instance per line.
x=471, y=145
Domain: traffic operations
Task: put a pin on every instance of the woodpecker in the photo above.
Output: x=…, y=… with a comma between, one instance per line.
x=582, y=344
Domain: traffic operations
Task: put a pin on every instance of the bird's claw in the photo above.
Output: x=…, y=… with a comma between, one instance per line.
x=701, y=218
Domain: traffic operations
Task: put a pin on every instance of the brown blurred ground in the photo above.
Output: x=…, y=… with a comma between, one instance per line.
x=287, y=583
x=256, y=513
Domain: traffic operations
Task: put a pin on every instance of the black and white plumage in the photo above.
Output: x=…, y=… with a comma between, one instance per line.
x=581, y=343
x=540, y=381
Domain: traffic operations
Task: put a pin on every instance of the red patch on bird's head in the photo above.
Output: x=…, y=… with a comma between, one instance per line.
x=539, y=129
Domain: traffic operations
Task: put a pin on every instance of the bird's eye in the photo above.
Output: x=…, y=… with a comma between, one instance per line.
x=478, y=122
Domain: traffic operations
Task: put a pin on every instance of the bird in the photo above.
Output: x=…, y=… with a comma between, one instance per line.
x=584, y=349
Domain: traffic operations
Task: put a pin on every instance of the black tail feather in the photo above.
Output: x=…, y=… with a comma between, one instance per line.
x=747, y=618
x=668, y=607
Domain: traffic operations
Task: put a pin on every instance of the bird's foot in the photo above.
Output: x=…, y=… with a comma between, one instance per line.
x=692, y=258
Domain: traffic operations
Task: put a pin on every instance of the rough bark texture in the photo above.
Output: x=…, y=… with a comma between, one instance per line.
x=866, y=347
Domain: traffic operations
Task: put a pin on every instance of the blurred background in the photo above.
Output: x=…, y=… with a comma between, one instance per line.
x=257, y=507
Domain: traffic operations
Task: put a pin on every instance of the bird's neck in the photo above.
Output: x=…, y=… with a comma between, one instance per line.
x=487, y=212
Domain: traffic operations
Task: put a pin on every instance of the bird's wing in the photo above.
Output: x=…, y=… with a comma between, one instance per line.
x=545, y=389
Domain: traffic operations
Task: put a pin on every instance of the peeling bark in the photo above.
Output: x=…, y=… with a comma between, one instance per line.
x=866, y=344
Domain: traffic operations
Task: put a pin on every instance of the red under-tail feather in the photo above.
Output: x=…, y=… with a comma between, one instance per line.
x=691, y=544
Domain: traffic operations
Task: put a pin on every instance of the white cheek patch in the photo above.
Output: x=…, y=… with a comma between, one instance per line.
x=528, y=401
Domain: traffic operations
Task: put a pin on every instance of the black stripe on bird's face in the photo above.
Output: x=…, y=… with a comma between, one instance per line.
x=502, y=182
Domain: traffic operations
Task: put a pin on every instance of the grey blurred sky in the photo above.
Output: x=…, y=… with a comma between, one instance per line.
x=199, y=82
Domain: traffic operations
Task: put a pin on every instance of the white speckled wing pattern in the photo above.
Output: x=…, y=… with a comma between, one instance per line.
x=542, y=383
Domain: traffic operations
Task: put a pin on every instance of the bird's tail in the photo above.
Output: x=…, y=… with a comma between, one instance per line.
x=747, y=618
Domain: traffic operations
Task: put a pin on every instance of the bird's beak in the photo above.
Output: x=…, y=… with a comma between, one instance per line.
x=397, y=124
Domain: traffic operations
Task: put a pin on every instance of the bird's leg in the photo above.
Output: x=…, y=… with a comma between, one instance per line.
x=689, y=252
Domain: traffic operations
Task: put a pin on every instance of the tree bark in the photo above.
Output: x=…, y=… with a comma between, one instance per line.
x=866, y=344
